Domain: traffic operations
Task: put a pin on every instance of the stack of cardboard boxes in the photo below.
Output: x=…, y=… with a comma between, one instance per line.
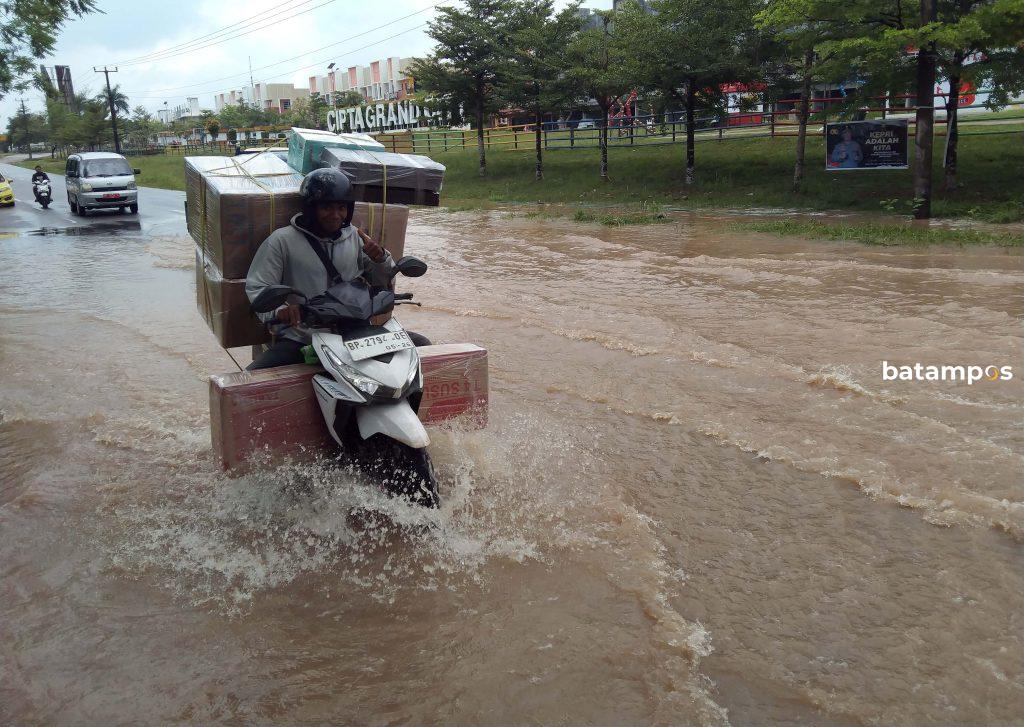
x=232, y=206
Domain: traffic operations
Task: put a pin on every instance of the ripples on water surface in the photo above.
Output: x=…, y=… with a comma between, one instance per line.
x=698, y=503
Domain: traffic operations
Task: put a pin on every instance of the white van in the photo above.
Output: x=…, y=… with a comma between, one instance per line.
x=100, y=180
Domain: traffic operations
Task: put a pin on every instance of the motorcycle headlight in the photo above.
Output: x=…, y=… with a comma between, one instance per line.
x=364, y=383
x=86, y=187
x=132, y=185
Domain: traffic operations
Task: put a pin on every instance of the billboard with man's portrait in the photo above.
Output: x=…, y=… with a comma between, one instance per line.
x=876, y=144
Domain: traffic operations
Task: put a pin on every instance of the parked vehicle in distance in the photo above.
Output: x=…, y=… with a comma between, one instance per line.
x=100, y=180
x=6, y=192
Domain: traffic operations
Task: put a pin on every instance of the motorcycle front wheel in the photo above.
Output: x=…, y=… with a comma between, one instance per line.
x=401, y=470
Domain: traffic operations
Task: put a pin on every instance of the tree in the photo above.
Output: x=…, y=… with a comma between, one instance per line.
x=182, y=128
x=599, y=65
x=28, y=32
x=311, y=112
x=470, y=57
x=538, y=80
x=115, y=99
x=981, y=43
x=800, y=27
x=92, y=129
x=344, y=99
x=692, y=47
x=26, y=128
x=141, y=127
x=232, y=116
x=896, y=45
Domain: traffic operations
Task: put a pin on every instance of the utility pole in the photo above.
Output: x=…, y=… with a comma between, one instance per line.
x=28, y=137
x=110, y=101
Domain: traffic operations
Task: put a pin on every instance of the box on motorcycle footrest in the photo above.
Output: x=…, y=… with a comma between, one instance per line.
x=273, y=413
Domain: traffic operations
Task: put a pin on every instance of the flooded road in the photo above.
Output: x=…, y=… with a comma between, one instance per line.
x=698, y=502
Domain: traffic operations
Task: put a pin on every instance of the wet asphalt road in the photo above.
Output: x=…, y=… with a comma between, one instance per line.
x=161, y=209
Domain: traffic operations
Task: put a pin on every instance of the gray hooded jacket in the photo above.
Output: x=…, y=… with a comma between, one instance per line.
x=286, y=258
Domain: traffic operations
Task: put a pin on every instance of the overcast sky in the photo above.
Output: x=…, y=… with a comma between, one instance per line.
x=290, y=41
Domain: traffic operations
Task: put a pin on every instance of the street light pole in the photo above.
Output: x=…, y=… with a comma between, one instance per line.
x=334, y=99
x=110, y=101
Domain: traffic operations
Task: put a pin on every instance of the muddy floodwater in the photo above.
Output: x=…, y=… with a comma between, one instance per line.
x=697, y=503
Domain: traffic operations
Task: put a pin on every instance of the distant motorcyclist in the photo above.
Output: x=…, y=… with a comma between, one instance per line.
x=288, y=257
x=38, y=178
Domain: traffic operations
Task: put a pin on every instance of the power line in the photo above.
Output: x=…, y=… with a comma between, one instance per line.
x=303, y=55
x=312, y=65
x=270, y=22
x=219, y=31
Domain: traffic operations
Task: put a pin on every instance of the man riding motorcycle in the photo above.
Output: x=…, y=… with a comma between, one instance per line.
x=319, y=243
x=37, y=177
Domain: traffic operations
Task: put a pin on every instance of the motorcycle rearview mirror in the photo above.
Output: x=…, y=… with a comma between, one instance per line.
x=410, y=267
x=271, y=298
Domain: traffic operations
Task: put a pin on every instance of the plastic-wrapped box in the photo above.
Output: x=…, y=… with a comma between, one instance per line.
x=273, y=413
x=306, y=145
x=234, y=203
x=380, y=176
x=224, y=306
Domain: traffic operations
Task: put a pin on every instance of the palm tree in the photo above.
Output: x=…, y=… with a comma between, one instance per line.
x=116, y=98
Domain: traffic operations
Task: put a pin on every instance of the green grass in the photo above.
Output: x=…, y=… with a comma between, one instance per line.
x=162, y=171
x=881, y=233
x=618, y=220
x=741, y=173
x=736, y=173
x=53, y=166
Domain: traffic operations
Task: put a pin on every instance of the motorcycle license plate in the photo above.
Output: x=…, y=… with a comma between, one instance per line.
x=371, y=346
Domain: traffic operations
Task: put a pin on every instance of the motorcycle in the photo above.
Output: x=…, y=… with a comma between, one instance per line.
x=42, y=193
x=373, y=387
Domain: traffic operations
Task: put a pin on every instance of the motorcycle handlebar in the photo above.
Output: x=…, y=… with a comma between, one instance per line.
x=403, y=296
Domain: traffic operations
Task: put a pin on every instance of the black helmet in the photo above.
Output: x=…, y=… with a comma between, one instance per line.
x=325, y=185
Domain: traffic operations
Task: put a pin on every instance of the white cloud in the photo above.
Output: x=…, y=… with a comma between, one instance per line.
x=107, y=38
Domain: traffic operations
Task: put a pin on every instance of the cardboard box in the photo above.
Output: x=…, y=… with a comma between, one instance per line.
x=224, y=306
x=273, y=413
x=385, y=223
x=234, y=205
x=306, y=145
x=386, y=176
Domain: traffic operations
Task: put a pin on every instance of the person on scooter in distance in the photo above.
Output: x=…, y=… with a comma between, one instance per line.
x=37, y=177
x=287, y=257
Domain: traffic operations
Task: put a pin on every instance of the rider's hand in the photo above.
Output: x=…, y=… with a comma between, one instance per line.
x=371, y=248
x=289, y=314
